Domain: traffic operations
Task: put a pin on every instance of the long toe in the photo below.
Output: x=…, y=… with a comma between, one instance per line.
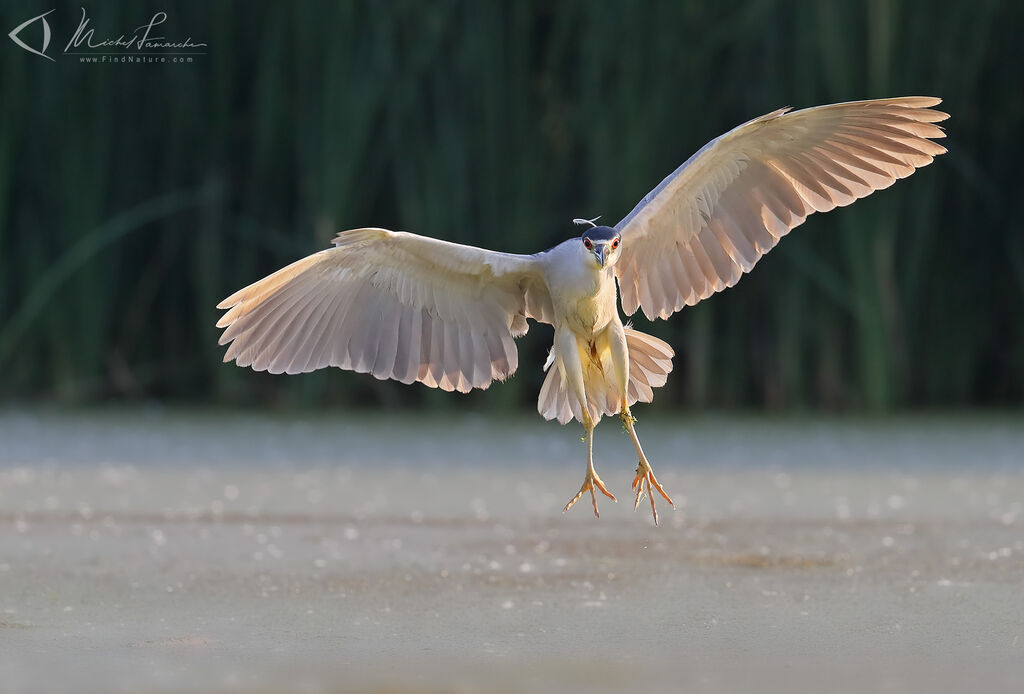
x=579, y=494
x=638, y=485
x=590, y=484
x=645, y=476
x=650, y=494
x=604, y=490
x=661, y=490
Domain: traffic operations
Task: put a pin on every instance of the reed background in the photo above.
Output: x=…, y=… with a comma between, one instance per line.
x=134, y=197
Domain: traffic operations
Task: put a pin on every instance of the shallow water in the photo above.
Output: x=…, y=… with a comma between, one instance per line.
x=165, y=551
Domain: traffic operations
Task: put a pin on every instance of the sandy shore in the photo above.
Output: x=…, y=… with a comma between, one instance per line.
x=208, y=552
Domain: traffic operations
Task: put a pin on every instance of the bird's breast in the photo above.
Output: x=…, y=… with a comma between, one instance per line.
x=586, y=306
x=591, y=315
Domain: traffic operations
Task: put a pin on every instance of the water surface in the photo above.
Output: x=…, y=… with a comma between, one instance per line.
x=168, y=551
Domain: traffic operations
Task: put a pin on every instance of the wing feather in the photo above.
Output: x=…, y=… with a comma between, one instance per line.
x=728, y=205
x=403, y=346
x=387, y=344
x=698, y=281
x=320, y=335
x=392, y=304
x=292, y=359
x=451, y=378
x=263, y=351
x=467, y=351
x=284, y=352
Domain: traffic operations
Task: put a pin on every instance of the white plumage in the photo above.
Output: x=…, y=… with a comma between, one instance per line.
x=411, y=308
x=712, y=218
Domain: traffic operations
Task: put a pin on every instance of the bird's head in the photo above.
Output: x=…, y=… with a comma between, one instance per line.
x=601, y=245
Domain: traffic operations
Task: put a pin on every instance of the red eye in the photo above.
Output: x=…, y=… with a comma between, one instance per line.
x=588, y=244
x=615, y=243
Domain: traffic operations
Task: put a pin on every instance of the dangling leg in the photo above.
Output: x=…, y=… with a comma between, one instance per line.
x=644, y=473
x=591, y=481
x=568, y=352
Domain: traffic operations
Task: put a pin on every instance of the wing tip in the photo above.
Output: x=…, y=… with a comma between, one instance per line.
x=350, y=236
x=911, y=101
x=924, y=101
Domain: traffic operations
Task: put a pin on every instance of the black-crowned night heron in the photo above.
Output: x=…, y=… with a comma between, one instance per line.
x=412, y=308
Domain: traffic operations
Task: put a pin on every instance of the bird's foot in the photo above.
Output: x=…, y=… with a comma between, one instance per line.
x=590, y=483
x=644, y=474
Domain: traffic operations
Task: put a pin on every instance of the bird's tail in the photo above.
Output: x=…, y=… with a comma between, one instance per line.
x=650, y=361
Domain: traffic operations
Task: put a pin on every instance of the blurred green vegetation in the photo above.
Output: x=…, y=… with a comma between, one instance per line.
x=134, y=197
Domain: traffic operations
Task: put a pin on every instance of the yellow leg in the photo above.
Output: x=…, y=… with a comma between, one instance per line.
x=591, y=481
x=644, y=473
x=567, y=350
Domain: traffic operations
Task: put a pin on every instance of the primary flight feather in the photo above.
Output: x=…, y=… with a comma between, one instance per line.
x=412, y=308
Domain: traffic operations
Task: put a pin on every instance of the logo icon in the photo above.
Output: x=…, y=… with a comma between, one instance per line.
x=46, y=35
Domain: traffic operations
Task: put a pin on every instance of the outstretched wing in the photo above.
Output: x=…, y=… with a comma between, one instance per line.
x=714, y=217
x=393, y=304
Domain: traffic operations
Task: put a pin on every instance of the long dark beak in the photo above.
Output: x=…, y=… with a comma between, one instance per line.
x=601, y=253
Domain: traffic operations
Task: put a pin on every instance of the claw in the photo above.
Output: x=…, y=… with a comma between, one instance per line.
x=644, y=473
x=638, y=485
x=590, y=483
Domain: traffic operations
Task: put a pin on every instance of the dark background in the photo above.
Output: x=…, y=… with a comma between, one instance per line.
x=134, y=197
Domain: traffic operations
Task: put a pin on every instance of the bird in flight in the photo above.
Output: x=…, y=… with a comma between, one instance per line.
x=411, y=308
